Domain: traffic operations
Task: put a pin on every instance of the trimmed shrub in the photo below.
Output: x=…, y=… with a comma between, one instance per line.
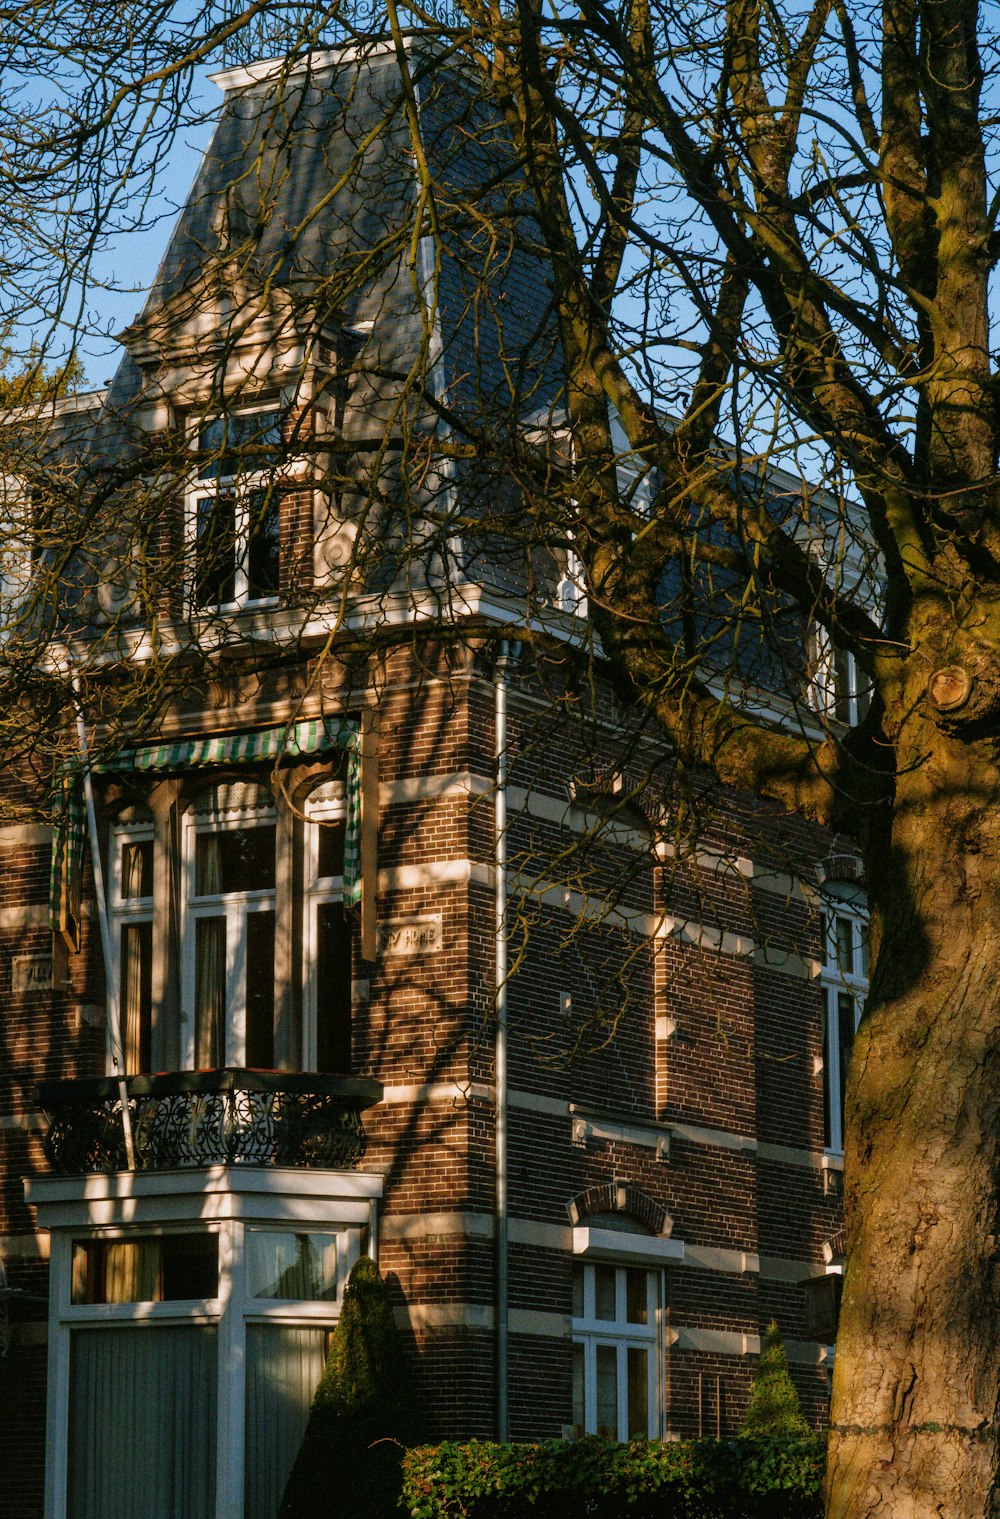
x=774, y=1407
x=362, y=1415
x=748, y=1478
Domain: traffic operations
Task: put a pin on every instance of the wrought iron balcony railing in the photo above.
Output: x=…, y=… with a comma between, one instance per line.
x=204, y=1118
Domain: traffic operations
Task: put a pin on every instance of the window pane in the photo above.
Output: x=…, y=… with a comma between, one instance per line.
x=637, y=1377
x=636, y=1284
x=604, y=1285
x=330, y=852
x=190, y=1266
x=210, y=991
x=136, y=993
x=215, y=551
x=235, y=859
x=283, y=1368
x=296, y=1267
x=260, y=990
x=579, y=1403
x=142, y=1422
x=333, y=988
x=136, y=869
x=845, y=946
x=159, y=1268
x=828, y=1093
x=264, y=545
x=239, y=444
x=578, y=1292
x=607, y=1391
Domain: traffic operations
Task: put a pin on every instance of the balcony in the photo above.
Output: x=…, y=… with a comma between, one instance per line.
x=204, y=1118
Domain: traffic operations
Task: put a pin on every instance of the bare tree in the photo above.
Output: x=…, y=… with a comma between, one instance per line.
x=753, y=396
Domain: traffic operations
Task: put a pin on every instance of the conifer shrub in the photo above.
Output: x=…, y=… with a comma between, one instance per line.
x=774, y=1407
x=362, y=1415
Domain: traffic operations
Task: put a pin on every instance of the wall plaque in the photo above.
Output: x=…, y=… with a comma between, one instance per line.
x=410, y=936
x=31, y=973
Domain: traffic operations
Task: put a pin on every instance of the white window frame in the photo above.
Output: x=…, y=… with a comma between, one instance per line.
x=125, y=910
x=592, y=1333
x=837, y=980
x=241, y=487
x=827, y=691
x=571, y=596
x=235, y=906
x=318, y=891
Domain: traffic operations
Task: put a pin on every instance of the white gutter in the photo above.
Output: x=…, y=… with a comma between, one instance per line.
x=508, y=653
x=114, y=1016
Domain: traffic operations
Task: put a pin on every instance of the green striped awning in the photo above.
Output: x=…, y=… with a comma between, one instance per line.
x=292, y=741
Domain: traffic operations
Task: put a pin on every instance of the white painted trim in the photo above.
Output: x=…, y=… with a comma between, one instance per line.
x=28, y=1247
x=733, y=1262
x=649, y=1250
x=536, y=1321
x=777, y=882
x=435, y=873
x=785, y=1268
x=721, y=1139
x=716, y=1341
x=651, y=1136
x=428, y=1317
x=803, y=967
x=396, y=1228
x=790, y=1155
x=429, y=788
x=703, y=936
x=535, y=1102
x=437, y=1091
x=25, y=835
x=30, y=1123
x=31, y=915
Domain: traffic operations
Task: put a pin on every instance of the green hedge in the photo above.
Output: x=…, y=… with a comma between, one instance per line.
x=749, y=1478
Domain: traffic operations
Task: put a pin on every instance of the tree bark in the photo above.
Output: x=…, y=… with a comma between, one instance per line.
x=917, y=1376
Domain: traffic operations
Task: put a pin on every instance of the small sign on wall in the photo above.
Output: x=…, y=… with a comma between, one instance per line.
x=31, y=973
x=410, y=936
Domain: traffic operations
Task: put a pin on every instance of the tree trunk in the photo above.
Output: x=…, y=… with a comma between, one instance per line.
x=917, y=1376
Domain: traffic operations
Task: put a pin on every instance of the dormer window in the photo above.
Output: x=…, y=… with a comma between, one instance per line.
x=234, y=527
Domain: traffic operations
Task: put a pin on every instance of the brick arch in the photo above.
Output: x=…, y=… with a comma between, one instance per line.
x=620, y=1197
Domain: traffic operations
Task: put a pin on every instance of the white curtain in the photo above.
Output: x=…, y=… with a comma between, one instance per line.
x=283, y=1368
x=142, y=1422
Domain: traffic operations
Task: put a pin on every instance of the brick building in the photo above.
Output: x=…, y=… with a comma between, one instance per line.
x=406, y=953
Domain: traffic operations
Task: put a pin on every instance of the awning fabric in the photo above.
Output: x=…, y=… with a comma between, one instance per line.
x=294, y=741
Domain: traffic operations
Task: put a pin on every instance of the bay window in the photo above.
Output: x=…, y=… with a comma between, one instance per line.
x=188, y=1331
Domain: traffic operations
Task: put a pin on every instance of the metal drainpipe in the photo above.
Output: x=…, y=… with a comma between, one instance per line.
x=500, y=671
x=114, y=1016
